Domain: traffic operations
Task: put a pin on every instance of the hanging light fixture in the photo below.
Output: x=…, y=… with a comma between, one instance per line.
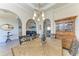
x=34, y=14
x=39, y=13
x=38, y=19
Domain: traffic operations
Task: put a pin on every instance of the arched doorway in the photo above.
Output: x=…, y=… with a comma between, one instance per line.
x=47, y=28
x=31, y=29
x=10, y=26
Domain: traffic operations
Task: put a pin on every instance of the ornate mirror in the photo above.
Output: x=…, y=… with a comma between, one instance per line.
x=7, y=27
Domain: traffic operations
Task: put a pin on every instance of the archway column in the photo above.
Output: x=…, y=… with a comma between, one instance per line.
x=23, y=28
x=40, y=28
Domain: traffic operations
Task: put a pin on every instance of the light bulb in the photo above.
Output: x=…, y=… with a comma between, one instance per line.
x=33, y=18
x=38, y=19
x=34, y=14
x=43, y=18
x=42, y=14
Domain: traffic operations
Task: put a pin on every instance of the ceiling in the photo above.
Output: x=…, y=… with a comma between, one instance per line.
x=7, y=14
x=28, y=7
x=43, y=6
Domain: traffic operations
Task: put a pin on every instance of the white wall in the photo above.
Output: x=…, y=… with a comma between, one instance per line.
x=24, y=13
x=14, y=32
x=65, y=11
x=52, y=14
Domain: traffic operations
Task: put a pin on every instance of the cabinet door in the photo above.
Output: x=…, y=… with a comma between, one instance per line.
x=67, y=43
x=69, y=27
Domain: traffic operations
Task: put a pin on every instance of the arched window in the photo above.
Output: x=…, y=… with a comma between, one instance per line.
x=47, y=28
x=31, y=28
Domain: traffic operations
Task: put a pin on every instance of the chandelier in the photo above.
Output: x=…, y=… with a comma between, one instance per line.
x=39, y=13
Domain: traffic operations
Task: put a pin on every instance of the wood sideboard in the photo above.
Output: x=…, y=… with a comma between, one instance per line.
x=65, y=30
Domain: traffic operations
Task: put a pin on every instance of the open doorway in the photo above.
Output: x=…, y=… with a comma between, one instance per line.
x=47, y=28
x=31, y=31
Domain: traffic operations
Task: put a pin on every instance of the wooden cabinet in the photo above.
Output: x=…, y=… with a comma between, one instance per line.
x=65, y=30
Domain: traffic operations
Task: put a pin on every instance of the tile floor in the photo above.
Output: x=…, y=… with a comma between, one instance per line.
x=5, y=48
x=36, y=48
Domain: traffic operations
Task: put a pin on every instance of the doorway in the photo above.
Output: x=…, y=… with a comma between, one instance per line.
x=47, y=28
x=31, y=31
